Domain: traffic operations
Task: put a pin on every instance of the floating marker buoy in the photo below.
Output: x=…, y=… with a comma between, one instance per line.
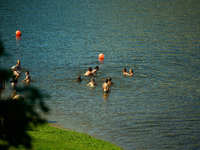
x=101, y=56
x=18, y=33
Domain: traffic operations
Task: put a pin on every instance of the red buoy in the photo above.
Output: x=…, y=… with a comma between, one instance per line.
x=101, y=56
x=18, y=33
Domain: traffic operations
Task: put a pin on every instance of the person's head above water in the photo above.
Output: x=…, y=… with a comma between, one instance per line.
x=124, y=69
x=92, y=80
x=106, y=80
x=97, y=67
x=90, y=69
x=27, y=72
x=131, y=71
x=79, y=78
x=109, y=79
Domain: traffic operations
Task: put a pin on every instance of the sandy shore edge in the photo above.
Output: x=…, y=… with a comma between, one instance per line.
x=58, y=126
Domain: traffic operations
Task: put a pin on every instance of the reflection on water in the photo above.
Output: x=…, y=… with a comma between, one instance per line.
x=157, y=108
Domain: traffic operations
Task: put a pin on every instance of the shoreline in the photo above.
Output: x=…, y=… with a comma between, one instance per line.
x=58, y=126
x=55, y=124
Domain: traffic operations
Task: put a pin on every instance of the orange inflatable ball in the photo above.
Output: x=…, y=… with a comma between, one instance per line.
x=101, y=56
x=18, y=33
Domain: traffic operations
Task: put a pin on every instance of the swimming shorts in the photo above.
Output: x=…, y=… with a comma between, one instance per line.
x=13, y=80
x=105, y=91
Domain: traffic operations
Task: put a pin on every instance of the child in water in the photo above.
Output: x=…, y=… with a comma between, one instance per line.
x=79, y=79
x=92, y=83
x=95, y=70
x=124, y=72
x=131, y=72
x=27, y=79
x=109, y=81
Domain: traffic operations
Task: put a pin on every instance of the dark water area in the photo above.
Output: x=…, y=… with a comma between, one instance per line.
x=157, y=108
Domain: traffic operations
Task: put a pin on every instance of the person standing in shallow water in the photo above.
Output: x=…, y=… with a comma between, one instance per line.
x=27, y=79
x=106, y=90
x=15, y=77
x=2, y=87
x=105, y=86
x=18, y=66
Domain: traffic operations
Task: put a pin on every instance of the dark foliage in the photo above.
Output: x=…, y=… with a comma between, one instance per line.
x=18, y=116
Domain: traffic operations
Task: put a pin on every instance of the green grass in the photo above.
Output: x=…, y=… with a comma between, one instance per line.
x=46, y=137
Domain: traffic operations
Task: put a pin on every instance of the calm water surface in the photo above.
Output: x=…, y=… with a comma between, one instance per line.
x=158, y=108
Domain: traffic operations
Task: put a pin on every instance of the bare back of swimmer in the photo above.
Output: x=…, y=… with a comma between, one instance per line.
x=105, y=86
x=89, y=72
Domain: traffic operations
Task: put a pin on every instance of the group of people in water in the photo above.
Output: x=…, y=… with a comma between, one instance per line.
x=108, y=81
x=14, y=80
x=17, y=71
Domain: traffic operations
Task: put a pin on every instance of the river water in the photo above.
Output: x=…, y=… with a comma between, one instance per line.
x=157, y=108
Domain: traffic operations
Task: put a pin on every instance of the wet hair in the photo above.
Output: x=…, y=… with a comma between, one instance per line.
x=90, y=69
x=124, y=69
x=27, y=72
x=92, y=79
x=97, y=67
x=109, y=79
x=131, y=70
x=106, y=80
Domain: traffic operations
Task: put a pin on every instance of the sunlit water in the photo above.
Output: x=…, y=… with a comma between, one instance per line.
x=158, y=108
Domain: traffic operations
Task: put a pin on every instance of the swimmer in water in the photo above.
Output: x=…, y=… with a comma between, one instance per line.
x=95, y=70
x=124, y=72
x=2, y=87
x=79, y=79
x=89, y=72
x=131, y=72
x=15, y=77
x=109, y=81
x=92, y=83
x=105, y=86
x=27, y=79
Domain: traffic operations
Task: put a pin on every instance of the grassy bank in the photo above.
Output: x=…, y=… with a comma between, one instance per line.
x=46, y=137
